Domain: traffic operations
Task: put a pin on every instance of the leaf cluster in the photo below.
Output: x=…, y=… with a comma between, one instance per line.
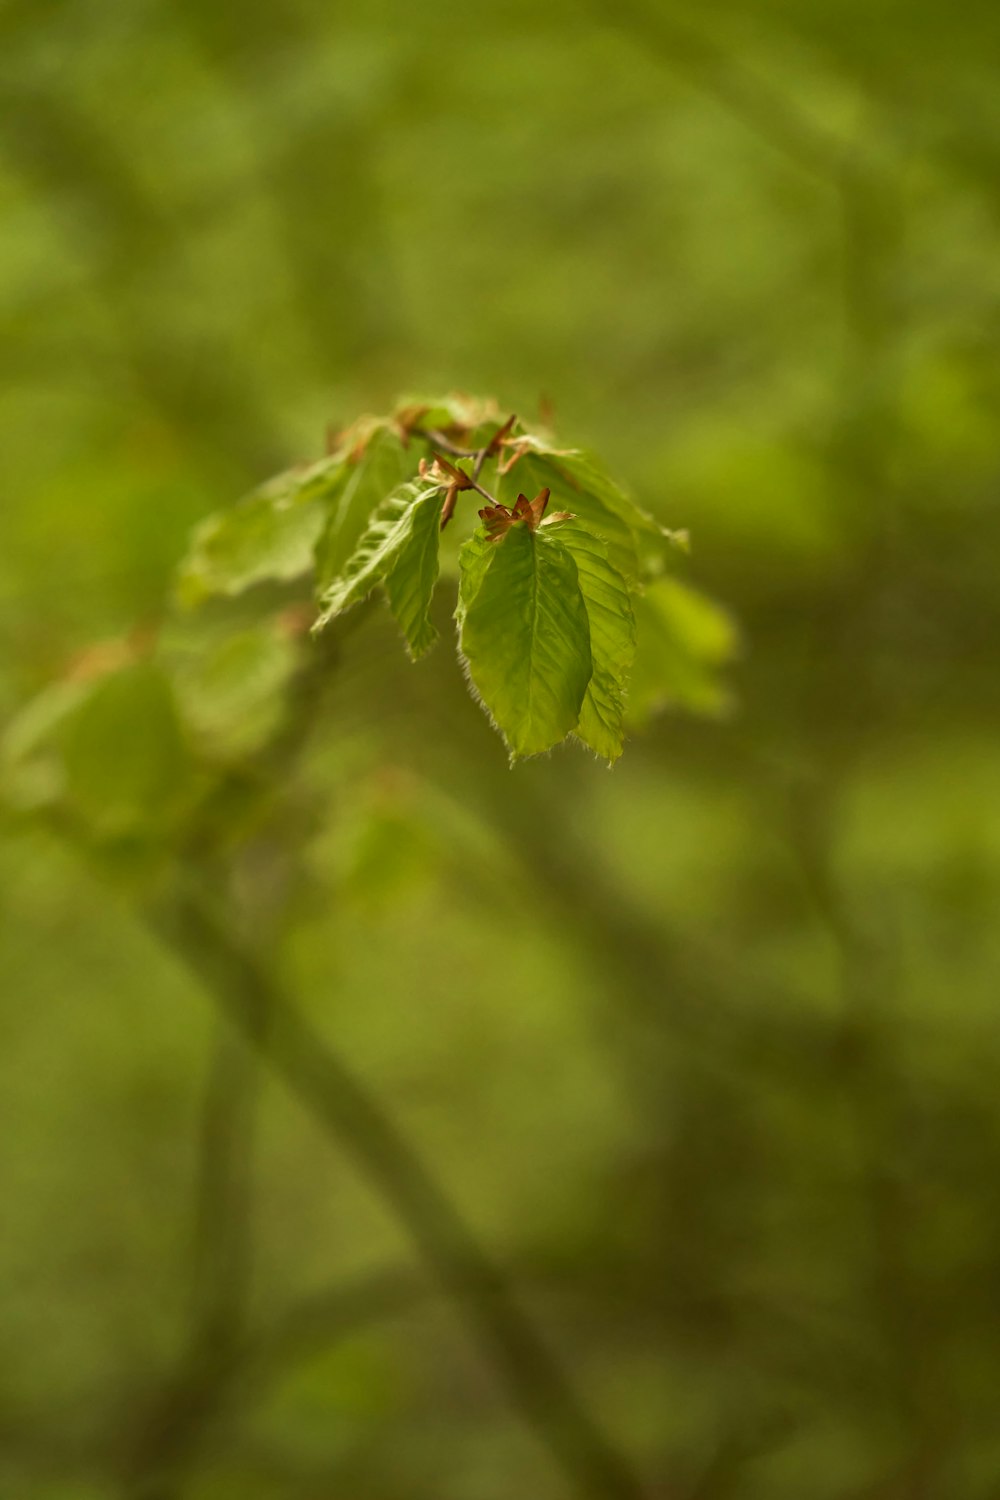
x=567, y=625
x=551, y=608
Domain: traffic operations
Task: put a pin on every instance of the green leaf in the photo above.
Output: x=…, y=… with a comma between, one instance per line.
x=128, y=766
x=31, y=773
x=367, y=478
x=580, y=485
x=684, y=641
x=265, y=538
x=231, y=685
x=306, y=482
x=474, y=559
x=470, y=417
x=525, y=636
x=612, y=640
x=410, y=584
x=562, y=476
x=399, y=549
x=35, y=727
x=387, y=844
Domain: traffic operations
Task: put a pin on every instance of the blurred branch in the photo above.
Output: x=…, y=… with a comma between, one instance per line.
x=707, y=66
x=868, y=977
x=167, y=1438
x=210, y=1381
x=224, y=1211
x=244, y=988
x=861, y=190
x=721, y=1479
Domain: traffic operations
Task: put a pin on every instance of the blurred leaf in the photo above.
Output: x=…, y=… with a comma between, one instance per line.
x=34, y=727
x=128, y=766
x=399, y=549
x=32, y=773
x=306, y=482
x=684, y=639
x=525, y=636
x=948, y=419
x=388, y=846
x=456, y=414
x=769, y=496
x=612, y=640
x=313, y=1400
x=231, y=690
x=265, y=538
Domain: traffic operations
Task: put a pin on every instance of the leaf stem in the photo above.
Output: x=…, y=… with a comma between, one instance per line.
x=439, y=441
x=481, y=490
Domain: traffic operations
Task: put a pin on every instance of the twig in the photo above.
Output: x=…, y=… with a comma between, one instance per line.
x=463, y=481
x=438, y=440
x=224, y=1209
x=737, y=88
x=869, y=976
x=210, y=1383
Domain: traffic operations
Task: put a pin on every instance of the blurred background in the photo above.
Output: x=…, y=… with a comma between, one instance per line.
x=704, y=1050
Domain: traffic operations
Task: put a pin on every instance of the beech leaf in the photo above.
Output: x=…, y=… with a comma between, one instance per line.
x=525, y=636
x=685, y=640
x=369, y=475
x=400, y=550
x=612, y=640
x=265, y=538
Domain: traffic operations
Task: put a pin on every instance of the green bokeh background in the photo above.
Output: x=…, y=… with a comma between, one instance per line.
x=706, y=1049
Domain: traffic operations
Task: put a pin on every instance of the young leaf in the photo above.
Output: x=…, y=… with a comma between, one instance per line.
x=410, y=584
x=535, y=471
x=128, y=765
x=474, y=560
x=612, y=640
x=465, y=417
x=231, y=685
x=316, y=481
x=685, y=639
x=399, y=549
x=525, y=636
x=263, y=538
x=31, y=773
x=368, y=476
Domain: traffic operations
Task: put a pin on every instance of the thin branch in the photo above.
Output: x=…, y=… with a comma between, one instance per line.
x=207, y=1388
x=461, y=480
x=849, y=170
x=438, y=440
x=747, y=97
x=481, y=457
x=868, y=976
x=473, y=484
x=161, y=1446
x=222, y=1262
x=322, y=1081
